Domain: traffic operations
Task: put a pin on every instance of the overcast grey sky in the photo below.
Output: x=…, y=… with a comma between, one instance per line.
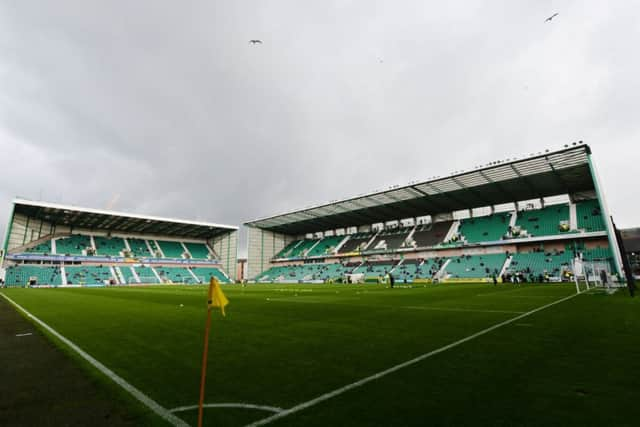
x=167, y=109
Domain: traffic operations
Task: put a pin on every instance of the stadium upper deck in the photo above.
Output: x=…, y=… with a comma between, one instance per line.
x=67, y=245
x=440, y=216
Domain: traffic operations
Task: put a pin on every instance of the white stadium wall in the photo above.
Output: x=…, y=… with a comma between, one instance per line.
x=23, y=230
x=226, y=248
x=262, y=247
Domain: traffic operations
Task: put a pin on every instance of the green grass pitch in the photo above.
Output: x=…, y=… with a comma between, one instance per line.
x=574, y=363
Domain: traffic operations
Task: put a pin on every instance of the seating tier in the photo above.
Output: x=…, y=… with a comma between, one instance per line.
x=171, y=249
x=19, y=275
x=197, y=250
x=109, y=246
x=544, y=222
x=485, y=228
x=139, y=247
x=72, y=245
x=88, y=275
x=325, y=246
x=475, y=266
x=590, y=216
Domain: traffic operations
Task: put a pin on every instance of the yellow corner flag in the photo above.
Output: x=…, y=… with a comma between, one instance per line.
x=216, y=297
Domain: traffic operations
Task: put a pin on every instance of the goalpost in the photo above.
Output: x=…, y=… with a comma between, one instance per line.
x=593, y=274
x=579, y=274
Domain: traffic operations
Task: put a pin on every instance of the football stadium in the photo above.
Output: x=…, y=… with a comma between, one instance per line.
x=493, y=296
x=322, y=213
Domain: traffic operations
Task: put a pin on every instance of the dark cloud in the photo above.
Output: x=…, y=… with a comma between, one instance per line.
x=168, y=106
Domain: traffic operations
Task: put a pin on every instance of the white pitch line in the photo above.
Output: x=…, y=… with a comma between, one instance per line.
x=24, y=335
x=516, y=296
x=395, y=368
x=146, y=400
x=228, y=405
x=472, y=310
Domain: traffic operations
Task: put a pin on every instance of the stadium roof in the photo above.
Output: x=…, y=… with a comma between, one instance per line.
x=564, y=171
x=98, y=219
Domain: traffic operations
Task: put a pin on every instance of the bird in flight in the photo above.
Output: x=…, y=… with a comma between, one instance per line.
x=255, y=41
x=551, y=17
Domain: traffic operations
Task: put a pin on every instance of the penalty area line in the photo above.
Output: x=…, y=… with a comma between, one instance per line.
x=228, y=405
x=400, y=366
x=143, y=398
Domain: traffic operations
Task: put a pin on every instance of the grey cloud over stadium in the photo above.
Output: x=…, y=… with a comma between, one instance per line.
x=168, y=110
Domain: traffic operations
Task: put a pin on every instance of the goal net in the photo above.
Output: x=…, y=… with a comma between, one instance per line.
x=589, y=274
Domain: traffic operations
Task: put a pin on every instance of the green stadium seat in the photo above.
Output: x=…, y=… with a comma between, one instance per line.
x=109, y=246
x=590, y=216
x=127, y=274
x=416, y=269
x=544, y=222
x=284, y=253
x=297, y=249
x=41, y=248
x=198, y=250
x=171, y=249
x=475, y=266
x=155, y=251
x=138, y=247
x=175, y=274
x=88, y=275
x=145, y=274
x=599, y=254
x=332, y=271
x=19, y=275
x=73, y=245
x=204, y=274
x=302, y=249
x=325, y=246
x=305, y=272
x=374, y=269
x=485, y=228
x=534, y=265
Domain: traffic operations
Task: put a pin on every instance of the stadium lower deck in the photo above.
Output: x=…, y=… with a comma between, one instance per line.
x=532, y=245
x=358, y=355
x=101, y=260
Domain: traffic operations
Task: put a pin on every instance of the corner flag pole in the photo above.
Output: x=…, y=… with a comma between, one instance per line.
x=205, y=352
x=215, y=298
x=204, y=367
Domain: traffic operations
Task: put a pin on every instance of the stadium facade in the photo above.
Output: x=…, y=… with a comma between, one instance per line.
x=543, y=217
x=48, y=244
